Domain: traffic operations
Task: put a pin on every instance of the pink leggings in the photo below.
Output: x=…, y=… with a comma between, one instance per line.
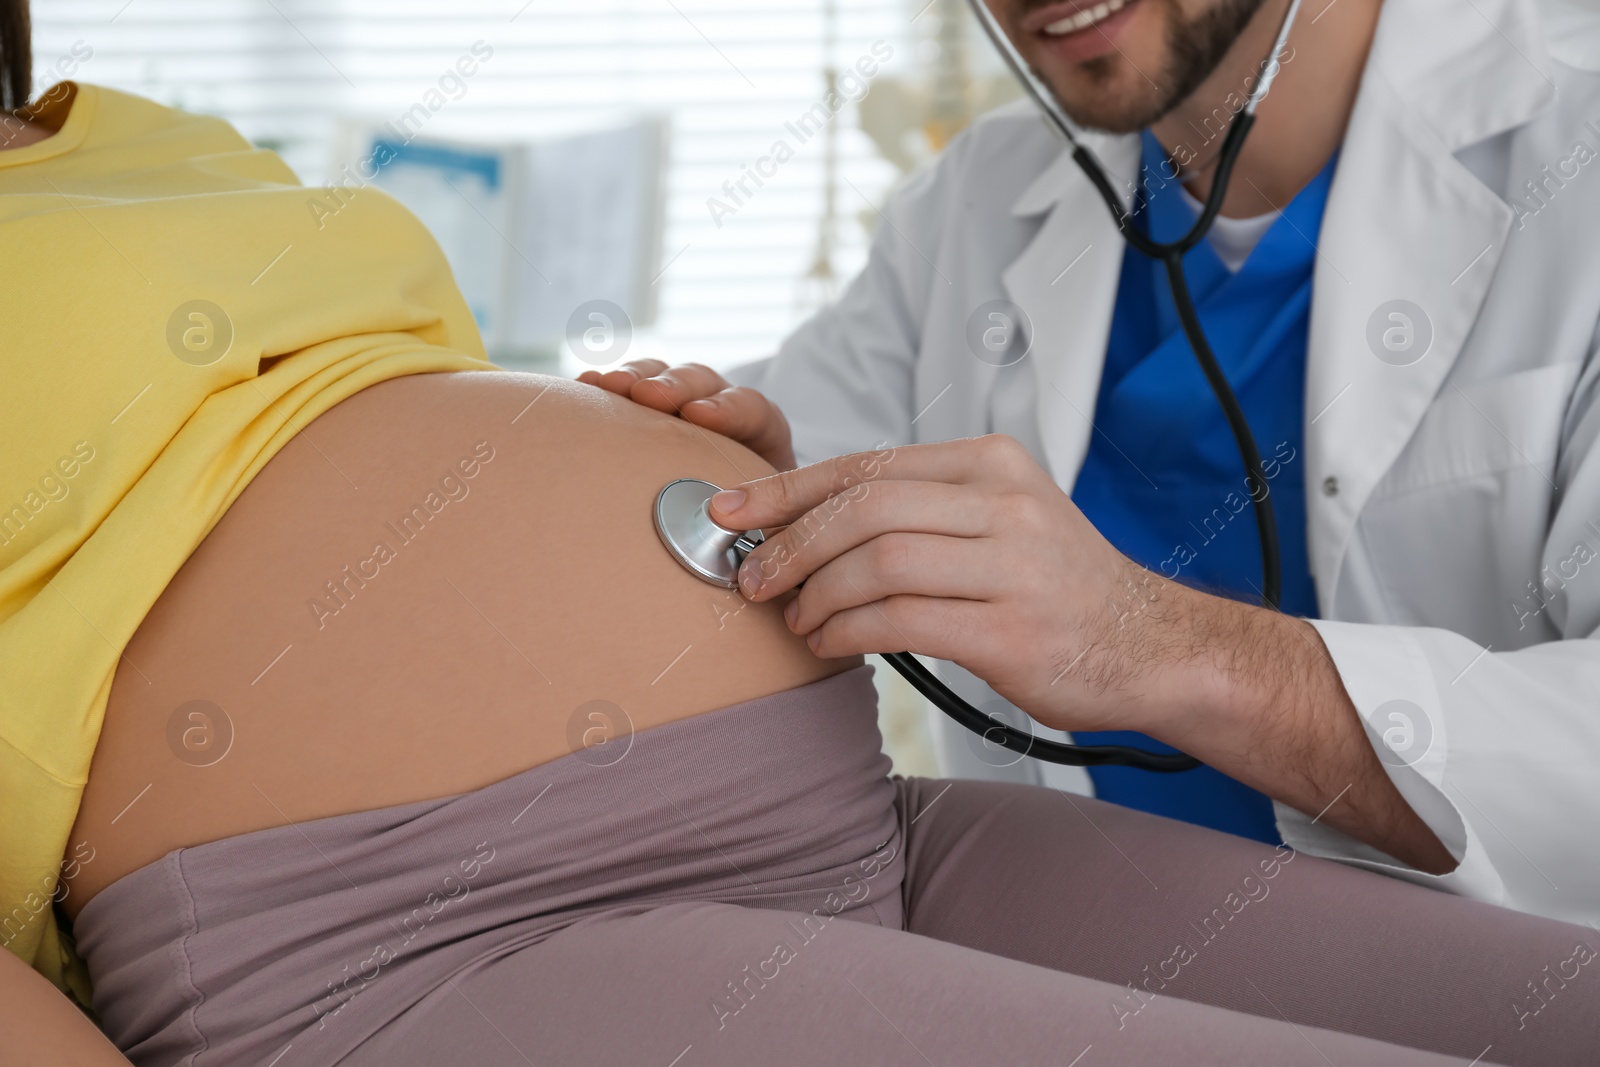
x=750, y=886
x=1040, y=928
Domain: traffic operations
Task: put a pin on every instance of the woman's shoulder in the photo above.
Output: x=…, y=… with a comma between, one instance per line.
x=123, y=133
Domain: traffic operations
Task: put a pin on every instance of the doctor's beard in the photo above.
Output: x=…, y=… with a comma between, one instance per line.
x=1114, y=94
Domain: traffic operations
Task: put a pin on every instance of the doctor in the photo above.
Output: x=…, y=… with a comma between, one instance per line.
x=1403, y=291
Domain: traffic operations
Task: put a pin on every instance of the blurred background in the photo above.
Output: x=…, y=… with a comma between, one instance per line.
x=601, y=144
x=610, y=179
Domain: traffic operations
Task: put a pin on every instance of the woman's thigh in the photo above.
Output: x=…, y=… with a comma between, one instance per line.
x=689, y=985
x=1161, y=909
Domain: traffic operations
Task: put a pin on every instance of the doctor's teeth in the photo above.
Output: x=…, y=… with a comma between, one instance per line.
x=1084, y=19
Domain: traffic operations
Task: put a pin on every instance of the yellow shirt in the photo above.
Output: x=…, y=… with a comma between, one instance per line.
x=175, y=307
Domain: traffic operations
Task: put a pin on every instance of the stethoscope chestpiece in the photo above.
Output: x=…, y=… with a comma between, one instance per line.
x=710, y=552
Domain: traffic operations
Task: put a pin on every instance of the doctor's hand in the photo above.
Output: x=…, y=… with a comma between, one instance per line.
x=968, y=551
x=700, y=395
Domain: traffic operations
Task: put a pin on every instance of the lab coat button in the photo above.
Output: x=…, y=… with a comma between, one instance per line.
x=1330, y=486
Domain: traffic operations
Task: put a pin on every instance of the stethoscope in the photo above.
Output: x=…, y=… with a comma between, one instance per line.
x=714, y=553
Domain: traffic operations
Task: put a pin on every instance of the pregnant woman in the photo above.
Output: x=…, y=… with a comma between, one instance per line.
x=350, y=713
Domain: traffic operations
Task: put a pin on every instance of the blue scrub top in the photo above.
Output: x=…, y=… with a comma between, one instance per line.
x=1163, y=480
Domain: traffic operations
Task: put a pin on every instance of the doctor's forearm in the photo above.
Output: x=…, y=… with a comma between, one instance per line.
x=1260, y=699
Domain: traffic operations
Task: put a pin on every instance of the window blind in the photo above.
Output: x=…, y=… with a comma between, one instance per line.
x=732, y=78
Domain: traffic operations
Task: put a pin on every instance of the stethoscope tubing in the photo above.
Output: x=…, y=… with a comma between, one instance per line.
x=1170, y=254
x=1006, y=736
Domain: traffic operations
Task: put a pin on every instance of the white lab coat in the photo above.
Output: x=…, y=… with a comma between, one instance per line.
x=1436, y=492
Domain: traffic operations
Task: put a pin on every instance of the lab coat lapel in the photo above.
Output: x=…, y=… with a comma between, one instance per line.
x=1066, y=282
x=1406, y=222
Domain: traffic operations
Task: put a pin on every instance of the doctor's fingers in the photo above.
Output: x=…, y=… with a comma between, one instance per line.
x=928, y=626
x=853, y=518
x=670, y=388
x=782, y=498
x=894, y=564
x=748, y=417
x=621, y=380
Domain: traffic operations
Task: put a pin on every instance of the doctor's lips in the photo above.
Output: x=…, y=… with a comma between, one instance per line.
x=1079, y=30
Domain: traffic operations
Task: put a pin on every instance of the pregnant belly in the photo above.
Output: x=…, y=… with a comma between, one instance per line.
x=441, y=582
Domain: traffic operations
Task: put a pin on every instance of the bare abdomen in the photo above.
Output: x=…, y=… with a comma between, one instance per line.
x=435, y=586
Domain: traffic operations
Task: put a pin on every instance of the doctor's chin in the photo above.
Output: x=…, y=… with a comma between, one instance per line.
x=953, y=532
